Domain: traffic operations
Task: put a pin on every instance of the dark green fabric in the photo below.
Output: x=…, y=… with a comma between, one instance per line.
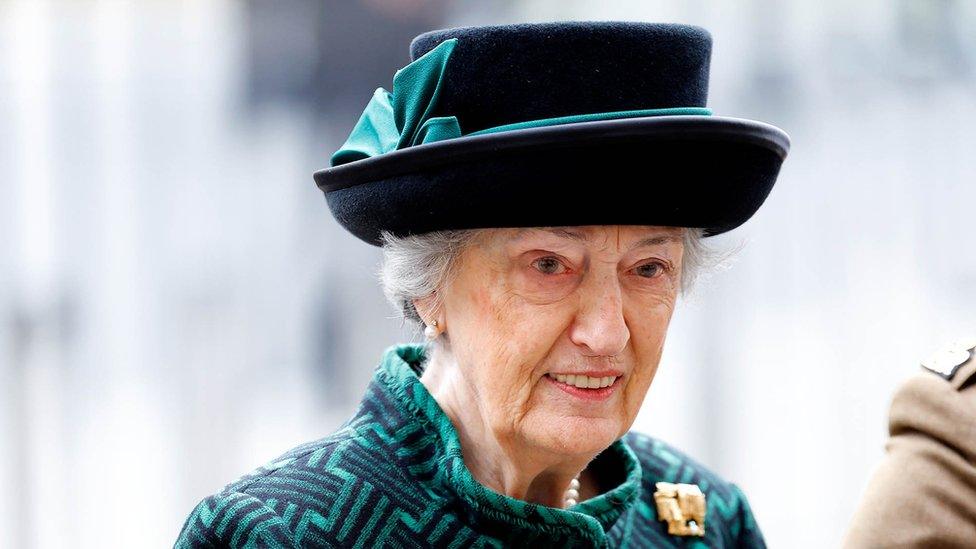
x=402, y=118
x=394, y=476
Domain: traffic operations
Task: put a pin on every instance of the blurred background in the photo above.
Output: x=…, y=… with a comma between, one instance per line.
x=177, y=305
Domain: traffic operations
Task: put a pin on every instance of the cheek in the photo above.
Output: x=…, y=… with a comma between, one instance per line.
x=506, y=339
x=649, y=329
x=505, y=323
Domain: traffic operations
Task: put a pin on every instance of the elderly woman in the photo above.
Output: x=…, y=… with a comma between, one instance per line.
x=540, y=192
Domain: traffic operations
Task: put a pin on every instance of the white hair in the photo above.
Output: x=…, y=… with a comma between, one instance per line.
x=416, y=266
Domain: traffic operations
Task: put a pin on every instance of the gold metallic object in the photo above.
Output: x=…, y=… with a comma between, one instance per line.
x=682, y=506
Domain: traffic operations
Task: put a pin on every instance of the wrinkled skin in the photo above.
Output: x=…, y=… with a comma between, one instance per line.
x=526, y=302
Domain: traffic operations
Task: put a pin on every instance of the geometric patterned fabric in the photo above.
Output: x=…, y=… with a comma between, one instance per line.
x=393, y=476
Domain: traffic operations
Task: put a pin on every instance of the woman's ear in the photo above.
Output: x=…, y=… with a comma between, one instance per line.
x=428, y=310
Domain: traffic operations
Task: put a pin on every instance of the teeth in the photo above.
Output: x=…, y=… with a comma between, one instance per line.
x=584, y=382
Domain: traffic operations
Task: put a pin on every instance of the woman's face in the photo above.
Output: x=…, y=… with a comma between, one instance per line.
x=529, y=306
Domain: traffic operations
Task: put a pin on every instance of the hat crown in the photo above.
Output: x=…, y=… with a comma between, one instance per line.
x=512, y=73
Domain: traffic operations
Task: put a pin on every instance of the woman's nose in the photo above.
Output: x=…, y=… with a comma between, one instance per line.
x=599, y=327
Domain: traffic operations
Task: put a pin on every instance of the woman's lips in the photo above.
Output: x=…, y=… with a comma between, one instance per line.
x=601, y=393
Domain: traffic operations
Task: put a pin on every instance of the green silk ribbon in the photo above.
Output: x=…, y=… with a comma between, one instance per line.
x=402, y=118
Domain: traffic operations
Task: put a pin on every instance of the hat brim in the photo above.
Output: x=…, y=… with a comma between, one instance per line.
x=684, y=171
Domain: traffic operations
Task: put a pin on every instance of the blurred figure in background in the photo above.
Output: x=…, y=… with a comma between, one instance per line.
x=924, y=492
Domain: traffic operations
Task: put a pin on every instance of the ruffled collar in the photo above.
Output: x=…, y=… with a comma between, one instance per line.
x=486, y=510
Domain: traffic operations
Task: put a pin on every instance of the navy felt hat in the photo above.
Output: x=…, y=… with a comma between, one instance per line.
x=552, y=124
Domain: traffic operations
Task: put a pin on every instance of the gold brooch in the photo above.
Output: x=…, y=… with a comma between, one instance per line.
x=682, y=506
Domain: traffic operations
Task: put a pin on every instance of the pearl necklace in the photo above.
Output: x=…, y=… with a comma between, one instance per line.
x=572, y=494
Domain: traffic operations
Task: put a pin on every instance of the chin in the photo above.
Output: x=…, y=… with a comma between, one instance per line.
x=576, y=435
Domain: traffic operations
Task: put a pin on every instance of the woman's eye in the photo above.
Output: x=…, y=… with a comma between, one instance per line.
x=649, y=270
x=549, y=265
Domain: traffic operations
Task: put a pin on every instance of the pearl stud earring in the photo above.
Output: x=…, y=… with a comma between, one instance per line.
x=430, y=332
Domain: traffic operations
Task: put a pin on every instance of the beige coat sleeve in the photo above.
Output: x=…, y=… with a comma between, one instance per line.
x=923, y=494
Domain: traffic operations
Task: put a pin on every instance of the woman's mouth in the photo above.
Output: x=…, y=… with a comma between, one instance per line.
x=585, y=387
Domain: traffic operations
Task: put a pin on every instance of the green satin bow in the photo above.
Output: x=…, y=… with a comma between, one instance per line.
x=402, y=118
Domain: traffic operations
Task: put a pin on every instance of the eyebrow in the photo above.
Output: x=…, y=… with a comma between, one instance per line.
x=581, y=237
x=566, y=233
x=656, y=240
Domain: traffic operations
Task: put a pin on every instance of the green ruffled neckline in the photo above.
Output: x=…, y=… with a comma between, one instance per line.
x=591, y=518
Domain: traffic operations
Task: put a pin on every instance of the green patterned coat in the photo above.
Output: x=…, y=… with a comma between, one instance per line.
x=392, y=476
